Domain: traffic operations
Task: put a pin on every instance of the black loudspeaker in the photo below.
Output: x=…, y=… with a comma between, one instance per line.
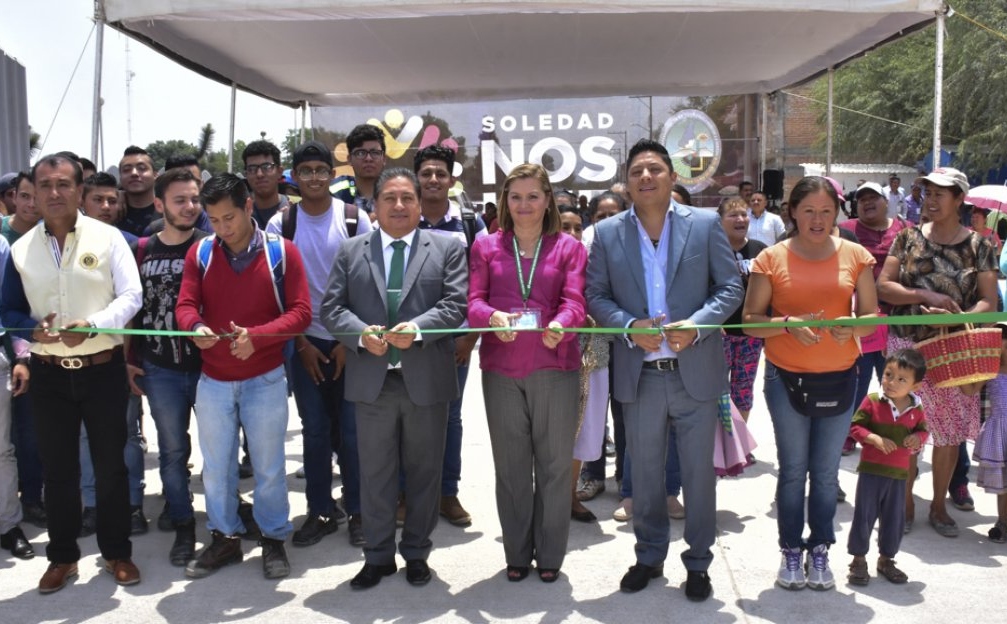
x=772, y=183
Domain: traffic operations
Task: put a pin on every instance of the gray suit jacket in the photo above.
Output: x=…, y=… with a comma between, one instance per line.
x=434, y=296
x=703, y=286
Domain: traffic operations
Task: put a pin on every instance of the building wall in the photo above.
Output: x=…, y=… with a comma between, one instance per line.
x=13, y=116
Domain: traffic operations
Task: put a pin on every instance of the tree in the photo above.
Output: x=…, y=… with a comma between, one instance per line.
x=160, y=151
x=895, y=83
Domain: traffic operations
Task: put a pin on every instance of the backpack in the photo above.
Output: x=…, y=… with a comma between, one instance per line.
x=276, y=256
x=469, y=225
x=288, y=223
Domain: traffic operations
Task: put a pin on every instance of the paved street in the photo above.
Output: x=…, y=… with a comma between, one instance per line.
x=949, y=578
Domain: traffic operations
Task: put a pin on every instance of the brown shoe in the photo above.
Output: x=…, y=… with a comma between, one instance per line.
x=124, y=571
x=454, y=512
x=56, y=577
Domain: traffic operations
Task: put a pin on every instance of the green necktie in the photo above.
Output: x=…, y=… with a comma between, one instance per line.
x=394, y=290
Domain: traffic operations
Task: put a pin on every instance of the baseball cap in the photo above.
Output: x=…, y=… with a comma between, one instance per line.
x=6, y=181
x=869, y=186
x=312, y=150
x=946, y=176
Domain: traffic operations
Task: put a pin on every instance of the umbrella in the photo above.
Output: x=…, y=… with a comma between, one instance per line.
x=988, y=196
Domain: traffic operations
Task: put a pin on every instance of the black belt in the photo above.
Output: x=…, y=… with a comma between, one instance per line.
x=75, y=362
x=667, y=364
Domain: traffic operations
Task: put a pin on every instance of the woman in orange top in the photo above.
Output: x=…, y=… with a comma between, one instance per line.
x=810, y=375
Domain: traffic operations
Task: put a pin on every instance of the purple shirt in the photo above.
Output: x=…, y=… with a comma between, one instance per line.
x=557, y=290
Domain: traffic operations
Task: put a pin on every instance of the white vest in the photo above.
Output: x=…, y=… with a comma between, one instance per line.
x=81, y=286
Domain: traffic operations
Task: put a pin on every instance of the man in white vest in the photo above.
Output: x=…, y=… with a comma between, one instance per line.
x=65, y=275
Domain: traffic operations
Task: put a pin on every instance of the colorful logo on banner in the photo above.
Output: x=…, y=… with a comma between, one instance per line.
x=401, y=135
x=693, y=141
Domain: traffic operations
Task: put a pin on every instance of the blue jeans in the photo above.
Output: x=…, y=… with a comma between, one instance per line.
x=451, y=473
x=867, y=364
x=805, y=446
x=672, y=470
x=171, y=395
x=318, y=406
x=29, y=466
x=133, y=454
x=259, y=406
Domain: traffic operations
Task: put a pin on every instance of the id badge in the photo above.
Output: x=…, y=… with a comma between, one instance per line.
x=528, y=318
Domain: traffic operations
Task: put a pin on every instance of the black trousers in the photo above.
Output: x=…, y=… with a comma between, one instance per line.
x=61, y=400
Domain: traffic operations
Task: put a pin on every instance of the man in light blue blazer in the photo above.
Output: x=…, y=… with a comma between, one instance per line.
x=663, y=265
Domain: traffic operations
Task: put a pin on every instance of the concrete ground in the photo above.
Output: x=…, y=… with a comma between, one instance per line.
x=948, y=578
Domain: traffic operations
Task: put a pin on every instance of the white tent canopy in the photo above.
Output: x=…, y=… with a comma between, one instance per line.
x=331, y=52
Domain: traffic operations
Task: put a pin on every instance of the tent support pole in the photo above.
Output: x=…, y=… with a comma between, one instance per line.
x=763, y=133
x=230, y=144
x=828, y=138
x=304, y=120
x=99, y=47
x=938, y=87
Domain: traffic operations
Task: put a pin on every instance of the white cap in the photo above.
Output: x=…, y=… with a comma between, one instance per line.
x=869, y=186
x=947, y=176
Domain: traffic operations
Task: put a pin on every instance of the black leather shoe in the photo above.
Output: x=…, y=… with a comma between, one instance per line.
x=88, y=521
x=274, y=559
x=222, y=551
x=183, y=550
x=697, y=586
x=164, y=522
x=18, y=545
x=371, y=575
x=34, y=513
x=138, y=524
x=355, y=528
x=314, y=529
x=417, y=572
x=638, y=577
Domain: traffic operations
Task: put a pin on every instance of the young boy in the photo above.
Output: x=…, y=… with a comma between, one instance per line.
x=890, y=427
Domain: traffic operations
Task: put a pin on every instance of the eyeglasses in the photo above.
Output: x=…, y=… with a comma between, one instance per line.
x=265, y=168
x=308, y=174
x=362, y=153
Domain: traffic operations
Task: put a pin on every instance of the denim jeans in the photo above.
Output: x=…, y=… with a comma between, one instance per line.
x=672, y=470
x=29, y=466
x=171, y=395
x=259, y=405
x=805, y=447
x=868, y=365
x=133, y=454
x=451, y=472
x=318, y=406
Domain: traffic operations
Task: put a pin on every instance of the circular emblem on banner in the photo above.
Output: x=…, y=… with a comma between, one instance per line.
x=89, y=261
x=692, y=139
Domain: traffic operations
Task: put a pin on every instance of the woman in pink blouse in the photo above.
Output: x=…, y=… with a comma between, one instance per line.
x=530, y=276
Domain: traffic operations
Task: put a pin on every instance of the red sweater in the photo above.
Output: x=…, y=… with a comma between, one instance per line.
x=875, y=416
x=221, y=296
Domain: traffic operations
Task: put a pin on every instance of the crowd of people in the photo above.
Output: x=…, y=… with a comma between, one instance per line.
x=364, y=298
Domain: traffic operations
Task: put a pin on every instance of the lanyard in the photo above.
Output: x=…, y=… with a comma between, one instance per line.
x=526, y=287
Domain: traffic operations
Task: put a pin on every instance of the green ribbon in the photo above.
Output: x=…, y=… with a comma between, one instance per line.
x=976, y=318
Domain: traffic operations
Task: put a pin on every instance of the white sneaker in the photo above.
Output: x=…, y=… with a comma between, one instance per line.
x=791, y=574
x=624, y=512
x=816, y=566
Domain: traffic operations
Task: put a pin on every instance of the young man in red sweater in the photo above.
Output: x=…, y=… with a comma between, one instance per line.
x=231, y=292
x=891, y=427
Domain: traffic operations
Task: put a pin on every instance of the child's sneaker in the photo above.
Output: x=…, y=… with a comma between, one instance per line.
x=816, y=566
x=791, y=574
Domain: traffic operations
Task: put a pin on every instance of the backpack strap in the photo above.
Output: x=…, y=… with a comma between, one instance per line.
x=352, y=216
x=276, y=255
x=204, y=254
x=469, y=225
x=288, y=222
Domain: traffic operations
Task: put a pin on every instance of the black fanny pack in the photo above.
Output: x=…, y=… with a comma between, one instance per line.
x=820, y=395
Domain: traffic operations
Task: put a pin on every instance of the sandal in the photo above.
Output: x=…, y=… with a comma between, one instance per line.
x=548, y=575
x=946, y=529
x=516, y=573
x=887, y=569
x=998, y=533
x=858, y=573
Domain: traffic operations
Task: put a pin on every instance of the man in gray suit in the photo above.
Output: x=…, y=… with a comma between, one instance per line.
x=387, y=291
x=680, y=269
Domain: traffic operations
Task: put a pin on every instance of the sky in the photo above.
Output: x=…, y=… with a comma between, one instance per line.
x=164, y=101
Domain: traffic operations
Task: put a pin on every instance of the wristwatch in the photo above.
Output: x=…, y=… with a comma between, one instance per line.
x=92, y=326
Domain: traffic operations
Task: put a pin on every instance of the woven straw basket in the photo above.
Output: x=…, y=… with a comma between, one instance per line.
x=962, y=357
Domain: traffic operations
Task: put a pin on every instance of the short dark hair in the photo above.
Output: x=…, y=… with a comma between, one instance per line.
x=261, y=148
x=649, y=145
x=909, y=359
x=683, y=193
x=87, y=164
x=745, y=183
x=134, y=150
x=180, y=160
x=70, y=155
x=592, y=206
x=565, y=193
x=55, y=160
x=21, y=176
x=363, y=133
x=225, y=186
x=435, y=152
x=169, y=177
x=102, y=179
x=396, y=172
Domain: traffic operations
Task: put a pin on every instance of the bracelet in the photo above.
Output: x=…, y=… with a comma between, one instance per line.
x=786, y=319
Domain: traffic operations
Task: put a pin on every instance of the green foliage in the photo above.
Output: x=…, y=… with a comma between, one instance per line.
x=895, y=83
x=328, y=138
x=160, y=151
